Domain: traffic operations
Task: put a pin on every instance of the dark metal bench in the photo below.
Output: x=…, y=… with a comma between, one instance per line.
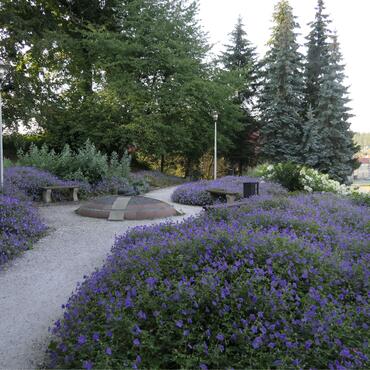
x=230, y=196
x=47, y=190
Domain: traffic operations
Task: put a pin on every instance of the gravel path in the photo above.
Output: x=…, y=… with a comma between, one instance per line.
x=35, y=285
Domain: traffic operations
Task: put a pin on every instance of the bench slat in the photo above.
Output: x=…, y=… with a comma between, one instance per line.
x=55, y=187
x=221, y=192
x=226, y=205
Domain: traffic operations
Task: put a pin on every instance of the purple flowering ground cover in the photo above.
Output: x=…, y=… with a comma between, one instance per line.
x=27, y=183
x=280, y=283
x=20, y=224
x=194, y=193
x=20, y=227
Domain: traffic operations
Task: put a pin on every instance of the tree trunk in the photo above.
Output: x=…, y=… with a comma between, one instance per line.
x=162, y=163
x=240, y=168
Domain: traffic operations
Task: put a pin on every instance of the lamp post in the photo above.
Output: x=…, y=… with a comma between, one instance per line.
x=215, y=118
x=3, y=71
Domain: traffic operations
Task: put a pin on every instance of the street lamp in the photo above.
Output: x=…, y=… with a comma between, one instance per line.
x=215, y=119
x=4, y=68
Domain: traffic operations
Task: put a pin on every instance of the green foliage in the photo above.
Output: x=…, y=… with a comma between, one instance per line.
x=241, y=60
x=328, y=142
x=282, y=92
x=116, y=72
x=337, y=149
x=362, y=199
x=295, y=177
x=134, y=73
x=16, y=141
x=8, y=163
x=287, y=174
x=87, y=163
x=157, y=179
x=317, y=55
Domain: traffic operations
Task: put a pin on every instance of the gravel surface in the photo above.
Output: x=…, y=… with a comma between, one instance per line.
x=34, y=286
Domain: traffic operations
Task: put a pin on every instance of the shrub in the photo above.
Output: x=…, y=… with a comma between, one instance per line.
x=158, y=179
x=8, y=163
x=86, y=164
x=20, y=226
x=312, y=180
x=195, y=193
x=272, y=285
x=362, y=199
x=296, y=177
x=286, y=174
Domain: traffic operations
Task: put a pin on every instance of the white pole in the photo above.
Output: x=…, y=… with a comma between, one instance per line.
x=1, y=146
x=215, y=153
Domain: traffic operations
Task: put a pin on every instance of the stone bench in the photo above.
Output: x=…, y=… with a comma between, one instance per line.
x=239, y=203
x=47, y=190
x=230, y=196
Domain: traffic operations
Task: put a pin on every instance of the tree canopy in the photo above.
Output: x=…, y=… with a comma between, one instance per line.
x=137, y=74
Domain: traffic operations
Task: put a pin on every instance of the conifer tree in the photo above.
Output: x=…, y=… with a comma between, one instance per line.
x=337, y=148
x=281, y=101
x=317, y=55
x=240, y=58
x=311, y=139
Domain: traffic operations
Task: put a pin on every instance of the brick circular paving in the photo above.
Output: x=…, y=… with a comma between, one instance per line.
x=119, y=208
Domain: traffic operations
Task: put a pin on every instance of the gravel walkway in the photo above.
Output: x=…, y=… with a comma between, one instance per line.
x=35, y=285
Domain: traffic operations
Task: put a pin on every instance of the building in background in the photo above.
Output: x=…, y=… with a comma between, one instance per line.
x=363, y=172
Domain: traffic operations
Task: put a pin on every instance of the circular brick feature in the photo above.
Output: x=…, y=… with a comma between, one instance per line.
x=119, y=208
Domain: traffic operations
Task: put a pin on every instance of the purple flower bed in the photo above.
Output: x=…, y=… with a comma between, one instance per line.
x=194, y=193
x=26, y=183
x=20, y=226
x=280, y=283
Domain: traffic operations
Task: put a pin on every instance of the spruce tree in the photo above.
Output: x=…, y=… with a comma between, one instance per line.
x=311, y=139
x=317, y=55
x=281, y=101
x=337, y=148
x=240, y=58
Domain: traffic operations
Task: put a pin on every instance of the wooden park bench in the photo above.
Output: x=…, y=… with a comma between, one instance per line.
x=47, y=190
x=230, y=196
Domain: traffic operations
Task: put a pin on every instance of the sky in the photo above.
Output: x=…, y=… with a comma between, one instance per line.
x=349, y=18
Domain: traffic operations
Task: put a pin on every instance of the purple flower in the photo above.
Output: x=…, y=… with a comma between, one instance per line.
x=136, y=330
x=345, y=353
x=151, y=281
x=108, y=351
x=81, y=339
x=95, y=337
x=87, y=365
x=220, y=337
x=128, y=302
x=141, y=315
x=257, y=342
x=284, y=236
x=136, y=342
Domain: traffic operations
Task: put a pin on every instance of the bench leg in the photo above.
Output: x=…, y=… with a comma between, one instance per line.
x=230, y=198
x=75, y=194
x=46, y=195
